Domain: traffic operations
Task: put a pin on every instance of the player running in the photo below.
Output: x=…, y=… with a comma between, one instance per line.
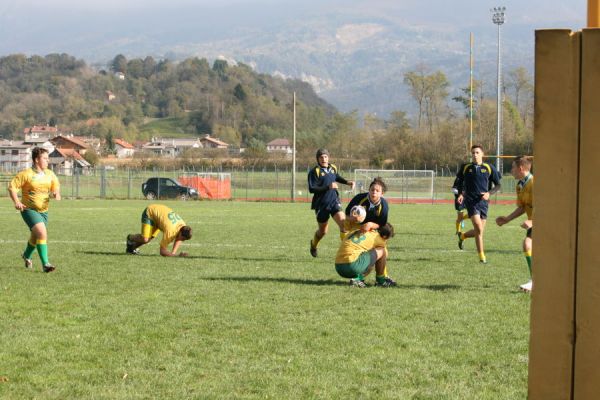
x=323, y=182
x=457, y=188
x=156, y=218
x=521, y=170
x=480, y=181
x=36, y=185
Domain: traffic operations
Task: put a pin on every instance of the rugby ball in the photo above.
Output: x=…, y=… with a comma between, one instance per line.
x=359, y=213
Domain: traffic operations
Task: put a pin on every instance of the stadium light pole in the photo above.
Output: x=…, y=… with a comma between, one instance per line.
x=294, y=153
x=498, y=19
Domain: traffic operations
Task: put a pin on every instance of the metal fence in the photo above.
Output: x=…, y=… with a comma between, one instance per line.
x=247, y=183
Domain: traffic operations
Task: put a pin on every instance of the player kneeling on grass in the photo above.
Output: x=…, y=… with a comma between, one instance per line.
x=156, y=218
x=360, y=252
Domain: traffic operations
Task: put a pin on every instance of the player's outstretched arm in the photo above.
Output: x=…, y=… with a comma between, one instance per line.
x=166, y=253
x=506, y=219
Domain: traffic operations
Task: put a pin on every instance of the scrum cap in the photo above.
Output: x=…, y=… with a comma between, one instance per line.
x=322, y=151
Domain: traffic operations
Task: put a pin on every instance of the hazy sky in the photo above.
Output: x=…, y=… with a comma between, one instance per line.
x=535, y=11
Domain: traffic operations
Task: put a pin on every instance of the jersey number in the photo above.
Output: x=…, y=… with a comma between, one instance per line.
x=357, y=237
x=173, y=217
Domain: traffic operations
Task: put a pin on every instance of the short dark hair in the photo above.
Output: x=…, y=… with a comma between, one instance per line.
x=386, y=231
x=186, y=232
x=477, y=146
x=523, y=161
x=36, y=152
x=379, y=181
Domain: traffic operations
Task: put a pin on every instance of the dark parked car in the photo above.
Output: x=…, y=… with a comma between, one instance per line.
x=167, y=188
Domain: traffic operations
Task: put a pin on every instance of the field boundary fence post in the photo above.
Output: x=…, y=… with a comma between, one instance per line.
x=102, y=182
x=129, y=177
x=77, y=180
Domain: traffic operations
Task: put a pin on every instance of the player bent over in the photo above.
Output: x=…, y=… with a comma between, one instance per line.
x=323, y=182
x=156, y=218
x=360, y=252
x=36, y=184
x=376, y=207
x=521, y=167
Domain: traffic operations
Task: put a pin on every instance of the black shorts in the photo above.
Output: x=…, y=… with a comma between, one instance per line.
x=477, y=207
x=324, y=213
x=529, y=232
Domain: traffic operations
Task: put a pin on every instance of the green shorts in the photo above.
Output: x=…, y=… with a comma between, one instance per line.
x=358, y=266
x=145, y=219
x=32, y=217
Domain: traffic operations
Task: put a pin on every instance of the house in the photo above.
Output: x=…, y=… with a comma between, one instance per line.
x=172, y=147
x=39, y=142
x=279, y=146
x=159, y=148
x=40, y=132
x=65, y=161
x=70, y=142
x=213, y=143
x=119, y=75
x=14, y=155
x=123, y=149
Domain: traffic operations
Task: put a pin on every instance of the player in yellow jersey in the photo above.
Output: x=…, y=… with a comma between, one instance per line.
x=36, y=185
x=360, y=252
x=156, y=218
x=521, y=170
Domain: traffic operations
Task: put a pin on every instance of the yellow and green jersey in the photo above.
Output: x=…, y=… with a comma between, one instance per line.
x=35, y=188
x=357, y=243
x=167, y=220
x=525, y=195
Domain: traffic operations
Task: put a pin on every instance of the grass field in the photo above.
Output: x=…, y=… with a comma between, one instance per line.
x=250, y=314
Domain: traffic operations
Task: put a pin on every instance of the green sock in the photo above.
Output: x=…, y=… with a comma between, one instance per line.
x=42, y=249
x=360, y=277
x=379, y=278
x=29, y=250
x=528, y=258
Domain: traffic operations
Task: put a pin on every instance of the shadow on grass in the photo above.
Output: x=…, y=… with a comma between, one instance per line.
x=189, y=257
x=313, y=282
x=321, y=282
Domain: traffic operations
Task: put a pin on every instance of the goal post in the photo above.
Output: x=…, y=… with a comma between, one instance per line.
x=402, y=185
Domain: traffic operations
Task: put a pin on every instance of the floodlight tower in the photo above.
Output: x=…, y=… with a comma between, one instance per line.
x=498, y=19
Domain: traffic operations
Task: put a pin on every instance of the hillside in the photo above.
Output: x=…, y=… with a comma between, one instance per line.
x=190, y=97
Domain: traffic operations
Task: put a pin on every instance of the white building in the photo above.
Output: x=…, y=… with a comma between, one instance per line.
x=123, y=149
x=279, y=146
x=14, y=155
x=172, y=147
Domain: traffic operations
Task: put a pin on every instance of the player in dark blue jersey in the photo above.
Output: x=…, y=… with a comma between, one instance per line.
x=457, y=188
x=376, y=206
x=323, y=181
x=480, y=181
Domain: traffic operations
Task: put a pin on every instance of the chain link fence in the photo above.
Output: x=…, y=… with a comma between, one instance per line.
x=273, y=183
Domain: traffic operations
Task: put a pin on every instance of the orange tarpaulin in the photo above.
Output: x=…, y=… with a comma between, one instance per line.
x=208, y=188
